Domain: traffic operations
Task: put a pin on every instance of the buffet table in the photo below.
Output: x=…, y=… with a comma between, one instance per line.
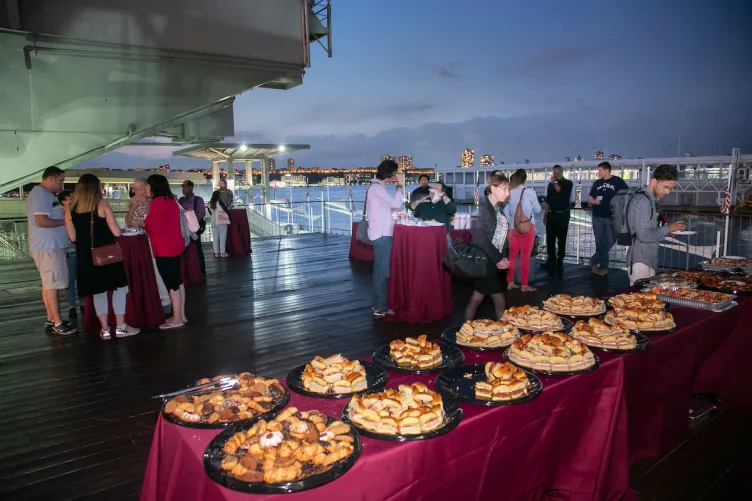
x=143, y=308
x=572, y=440
x=239, y=233
x=364, y=252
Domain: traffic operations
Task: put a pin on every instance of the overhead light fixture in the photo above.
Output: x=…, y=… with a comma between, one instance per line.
x=281, y=147
x=243, y=147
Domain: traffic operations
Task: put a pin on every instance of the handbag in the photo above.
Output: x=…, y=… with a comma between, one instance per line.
x=106, y=254
x=184, y=229
x=522, y=224
x=361, y=233
x=465, y=260
x=193, y=225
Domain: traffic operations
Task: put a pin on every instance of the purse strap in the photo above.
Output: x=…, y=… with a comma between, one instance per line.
x=91, y=231
x=365, y=204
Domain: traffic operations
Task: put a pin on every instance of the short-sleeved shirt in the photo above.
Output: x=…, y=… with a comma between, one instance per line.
x=606, y=189
x=41, y=201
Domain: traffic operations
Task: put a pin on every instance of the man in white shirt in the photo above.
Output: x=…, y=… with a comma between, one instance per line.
x=48, y=240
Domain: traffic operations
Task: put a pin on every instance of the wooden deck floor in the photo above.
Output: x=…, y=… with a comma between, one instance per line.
x=78, y=416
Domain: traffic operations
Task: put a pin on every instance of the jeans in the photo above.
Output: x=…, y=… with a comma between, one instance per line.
x=449, y=241
x=219, y=238
x=382, y=256
x=70, y=292
x=604, y=239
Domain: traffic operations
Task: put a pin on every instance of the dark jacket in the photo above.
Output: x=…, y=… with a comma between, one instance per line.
x=440, y=211
x=483, y=229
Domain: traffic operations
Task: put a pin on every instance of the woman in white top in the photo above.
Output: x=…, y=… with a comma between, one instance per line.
x=521, y=244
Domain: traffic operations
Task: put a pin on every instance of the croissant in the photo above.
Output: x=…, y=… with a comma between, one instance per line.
x=234, y=442
x=278, y=475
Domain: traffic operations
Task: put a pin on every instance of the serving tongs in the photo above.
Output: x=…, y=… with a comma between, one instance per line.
x=222, y=384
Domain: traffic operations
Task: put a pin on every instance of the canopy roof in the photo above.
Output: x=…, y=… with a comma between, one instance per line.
x=223, y=151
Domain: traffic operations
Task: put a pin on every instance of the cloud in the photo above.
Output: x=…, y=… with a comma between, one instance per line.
x=450, y=70
x=555, y=57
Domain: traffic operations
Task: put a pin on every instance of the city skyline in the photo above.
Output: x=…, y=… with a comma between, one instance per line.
x=562, y=91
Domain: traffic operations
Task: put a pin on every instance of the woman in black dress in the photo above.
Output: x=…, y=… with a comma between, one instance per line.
x=91, y=223
x=489, y=236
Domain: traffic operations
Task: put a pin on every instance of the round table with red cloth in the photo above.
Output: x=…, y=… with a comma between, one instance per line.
x=239, y=233
x=190, y=268
x=419, y=290
x=364, y=252
x=143, y=308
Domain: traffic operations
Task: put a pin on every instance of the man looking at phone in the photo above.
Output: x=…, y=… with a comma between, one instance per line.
x=642, y=218
x=599, y=199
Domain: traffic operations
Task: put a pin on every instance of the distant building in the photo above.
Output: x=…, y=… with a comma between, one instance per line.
x=487, y=161
x=290, y=164
x=467, y=158
x=614, y=156
x=388, y=157
x=405, y=162
x=272, y=165
x=578, y=158
x=598, y=155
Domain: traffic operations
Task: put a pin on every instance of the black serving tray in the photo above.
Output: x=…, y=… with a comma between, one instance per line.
x=451, y=356
x=557, y=373
x=376, y=377
x=214, y=453
x=459, y=382
x=450, y=336
x=451, y=421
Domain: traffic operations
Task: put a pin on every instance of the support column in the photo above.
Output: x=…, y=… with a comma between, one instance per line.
x=231, y=174
x=215, y=175
x=249, y=172
x=21, y=193
x=265, y=180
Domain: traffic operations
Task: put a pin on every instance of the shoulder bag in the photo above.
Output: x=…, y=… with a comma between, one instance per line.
x=465, y=260
x=106, y=254
x=522, y=224
x=362, y=232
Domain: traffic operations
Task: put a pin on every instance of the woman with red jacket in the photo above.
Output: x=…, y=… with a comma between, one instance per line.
x=162, y=224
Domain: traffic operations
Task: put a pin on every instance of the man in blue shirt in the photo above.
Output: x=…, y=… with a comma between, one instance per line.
x=48, y=241
x=599, y=199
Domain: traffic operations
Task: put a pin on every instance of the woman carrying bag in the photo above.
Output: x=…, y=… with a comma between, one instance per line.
x=92, y=227
x=489, y=236
x=519, y=212
x=219, y=205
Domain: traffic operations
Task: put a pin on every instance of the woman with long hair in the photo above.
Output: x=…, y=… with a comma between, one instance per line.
x=162, y=224
x=219, y=206
x=489, y=235
x=521, y=243
x=91, y=223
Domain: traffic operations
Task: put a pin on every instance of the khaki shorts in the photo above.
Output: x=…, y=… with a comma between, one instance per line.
x=52, y=268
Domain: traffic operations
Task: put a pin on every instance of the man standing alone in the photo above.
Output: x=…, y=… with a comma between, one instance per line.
x=48, y=241
x=642, y=218
x=599, y=199
x=559, y=200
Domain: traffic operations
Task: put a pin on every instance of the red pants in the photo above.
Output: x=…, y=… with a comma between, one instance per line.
x=523, y=245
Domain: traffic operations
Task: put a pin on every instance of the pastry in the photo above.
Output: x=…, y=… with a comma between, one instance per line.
x=695, y=295
x=596, y=333
x=487, y=334
x=532, y=317
x=637, y=300
x=415, y=353
x=334, y=374
x=551, y=351
x=564, y=304
x=732, y=283
x=503, y=382
x=407, y=410
x=251, y=396
x=293, y=446
x=728, y=262
x=640, y=319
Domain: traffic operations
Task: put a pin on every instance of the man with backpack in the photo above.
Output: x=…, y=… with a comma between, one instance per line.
x=599, y=199
x=642, y=222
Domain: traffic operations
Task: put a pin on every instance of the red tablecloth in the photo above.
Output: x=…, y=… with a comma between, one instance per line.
x=419, y=291
x=190, y=268
x=359, y=250
x=569, y=444
x=143, y=308
x=239, y=233
x=364, y=252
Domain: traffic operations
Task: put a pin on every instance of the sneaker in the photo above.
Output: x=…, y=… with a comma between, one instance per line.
x=64, y=329
x=126, y=330
x=48, y=325
x=224, y=254
x=72, y=312
x=105, y=334
x=379, y=313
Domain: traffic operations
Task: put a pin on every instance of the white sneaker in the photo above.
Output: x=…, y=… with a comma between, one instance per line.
x=126, y=330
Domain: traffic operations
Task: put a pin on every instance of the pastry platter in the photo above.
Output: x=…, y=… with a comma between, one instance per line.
x=460, y=383
x=444, y=356
x=413, y=412
x=336, y=377
x=279, y=456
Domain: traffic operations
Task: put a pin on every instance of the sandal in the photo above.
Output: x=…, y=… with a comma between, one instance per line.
x=167, y=326
x=105, y=334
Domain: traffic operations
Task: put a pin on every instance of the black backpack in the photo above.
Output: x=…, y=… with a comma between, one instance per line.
x=619, y=212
